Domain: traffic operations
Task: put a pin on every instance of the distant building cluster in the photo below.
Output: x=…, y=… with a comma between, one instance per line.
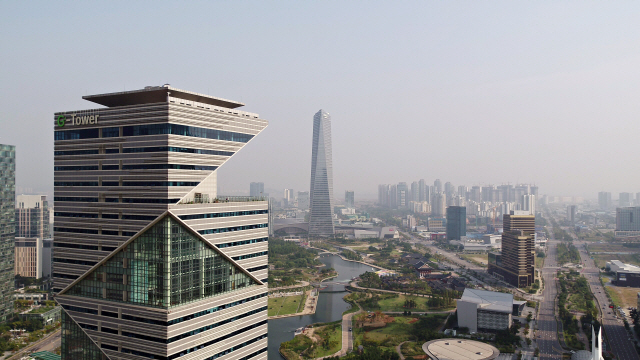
x=484, y=201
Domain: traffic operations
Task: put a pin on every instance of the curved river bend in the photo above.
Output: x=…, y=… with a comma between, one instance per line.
x=330, y=304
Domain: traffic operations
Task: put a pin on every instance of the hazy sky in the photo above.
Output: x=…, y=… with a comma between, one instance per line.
x=468, y=92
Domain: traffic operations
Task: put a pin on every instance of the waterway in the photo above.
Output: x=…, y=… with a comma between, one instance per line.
x=330, y=304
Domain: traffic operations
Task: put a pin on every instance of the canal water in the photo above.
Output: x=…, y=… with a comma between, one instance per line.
x=329, y=308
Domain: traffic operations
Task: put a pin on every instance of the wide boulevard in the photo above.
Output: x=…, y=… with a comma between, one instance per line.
x=619, y=340
x=547, y=333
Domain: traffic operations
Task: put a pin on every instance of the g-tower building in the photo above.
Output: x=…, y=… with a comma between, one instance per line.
x=149, y=261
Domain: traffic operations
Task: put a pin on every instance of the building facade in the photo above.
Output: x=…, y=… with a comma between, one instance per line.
x=456, y=222
x=485, y=310
x=28, y=257
x=321, y=194
x=32, y=216
x=7, y=228
x=149, y=260
x=516, y=263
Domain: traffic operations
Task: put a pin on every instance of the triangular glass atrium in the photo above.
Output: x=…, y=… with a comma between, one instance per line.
x=166, y=266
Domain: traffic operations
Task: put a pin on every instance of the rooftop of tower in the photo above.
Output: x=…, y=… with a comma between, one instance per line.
x=154, y=94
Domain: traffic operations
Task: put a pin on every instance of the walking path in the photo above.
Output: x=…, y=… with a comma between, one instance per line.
x=347, y=336
x=399, y=350
x=302, y=284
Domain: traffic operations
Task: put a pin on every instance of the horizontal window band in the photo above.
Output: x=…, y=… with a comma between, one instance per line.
x=243, y=242
x=249, y=256
x=177, y=149
x=223, y=214
x=73, y=261
x=233, y=228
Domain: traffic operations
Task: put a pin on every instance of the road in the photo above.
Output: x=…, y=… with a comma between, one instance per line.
x=547, y=335
x=48, y=344
x=618, y=337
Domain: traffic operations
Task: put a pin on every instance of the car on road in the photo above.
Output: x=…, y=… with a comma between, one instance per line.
x=349, y=329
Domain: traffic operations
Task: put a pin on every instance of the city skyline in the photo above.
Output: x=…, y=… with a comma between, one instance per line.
x=540, y=72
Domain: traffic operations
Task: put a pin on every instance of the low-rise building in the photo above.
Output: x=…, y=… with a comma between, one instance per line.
x=485, y=310
x=626, y=274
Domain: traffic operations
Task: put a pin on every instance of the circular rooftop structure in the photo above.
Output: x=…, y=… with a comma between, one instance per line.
x=459, y=349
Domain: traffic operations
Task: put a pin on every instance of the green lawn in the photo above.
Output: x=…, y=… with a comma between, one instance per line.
x=397, y=303
x=285, y=305
x=388, y=337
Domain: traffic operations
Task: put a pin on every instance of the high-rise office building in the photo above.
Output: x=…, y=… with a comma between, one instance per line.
x=7, y=228
x=624, y=199
x=321, y=194
x=456, y=222
x=627, y=222
x=604, y=200
x=150, y=262
x=638, y=199
x=349, y=199
x=32, y=216
x=256, y=189
x=516, y=263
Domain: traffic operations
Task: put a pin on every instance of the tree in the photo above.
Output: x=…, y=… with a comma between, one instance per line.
x=529, y=317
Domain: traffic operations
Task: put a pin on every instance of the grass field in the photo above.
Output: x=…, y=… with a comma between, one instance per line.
x=285, y=305
x=624, y=296
x=392, y=334
x=539, y=262
x=397, y=304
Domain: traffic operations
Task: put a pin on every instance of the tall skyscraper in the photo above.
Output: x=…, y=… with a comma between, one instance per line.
x=150, y=262
x=256, y=189
x=349, y=199
x=32, y=216
x=321, y=194
x=604, y=200
x=456, y=222
x=627, y=222
x=516, y=263
x=7, y=228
